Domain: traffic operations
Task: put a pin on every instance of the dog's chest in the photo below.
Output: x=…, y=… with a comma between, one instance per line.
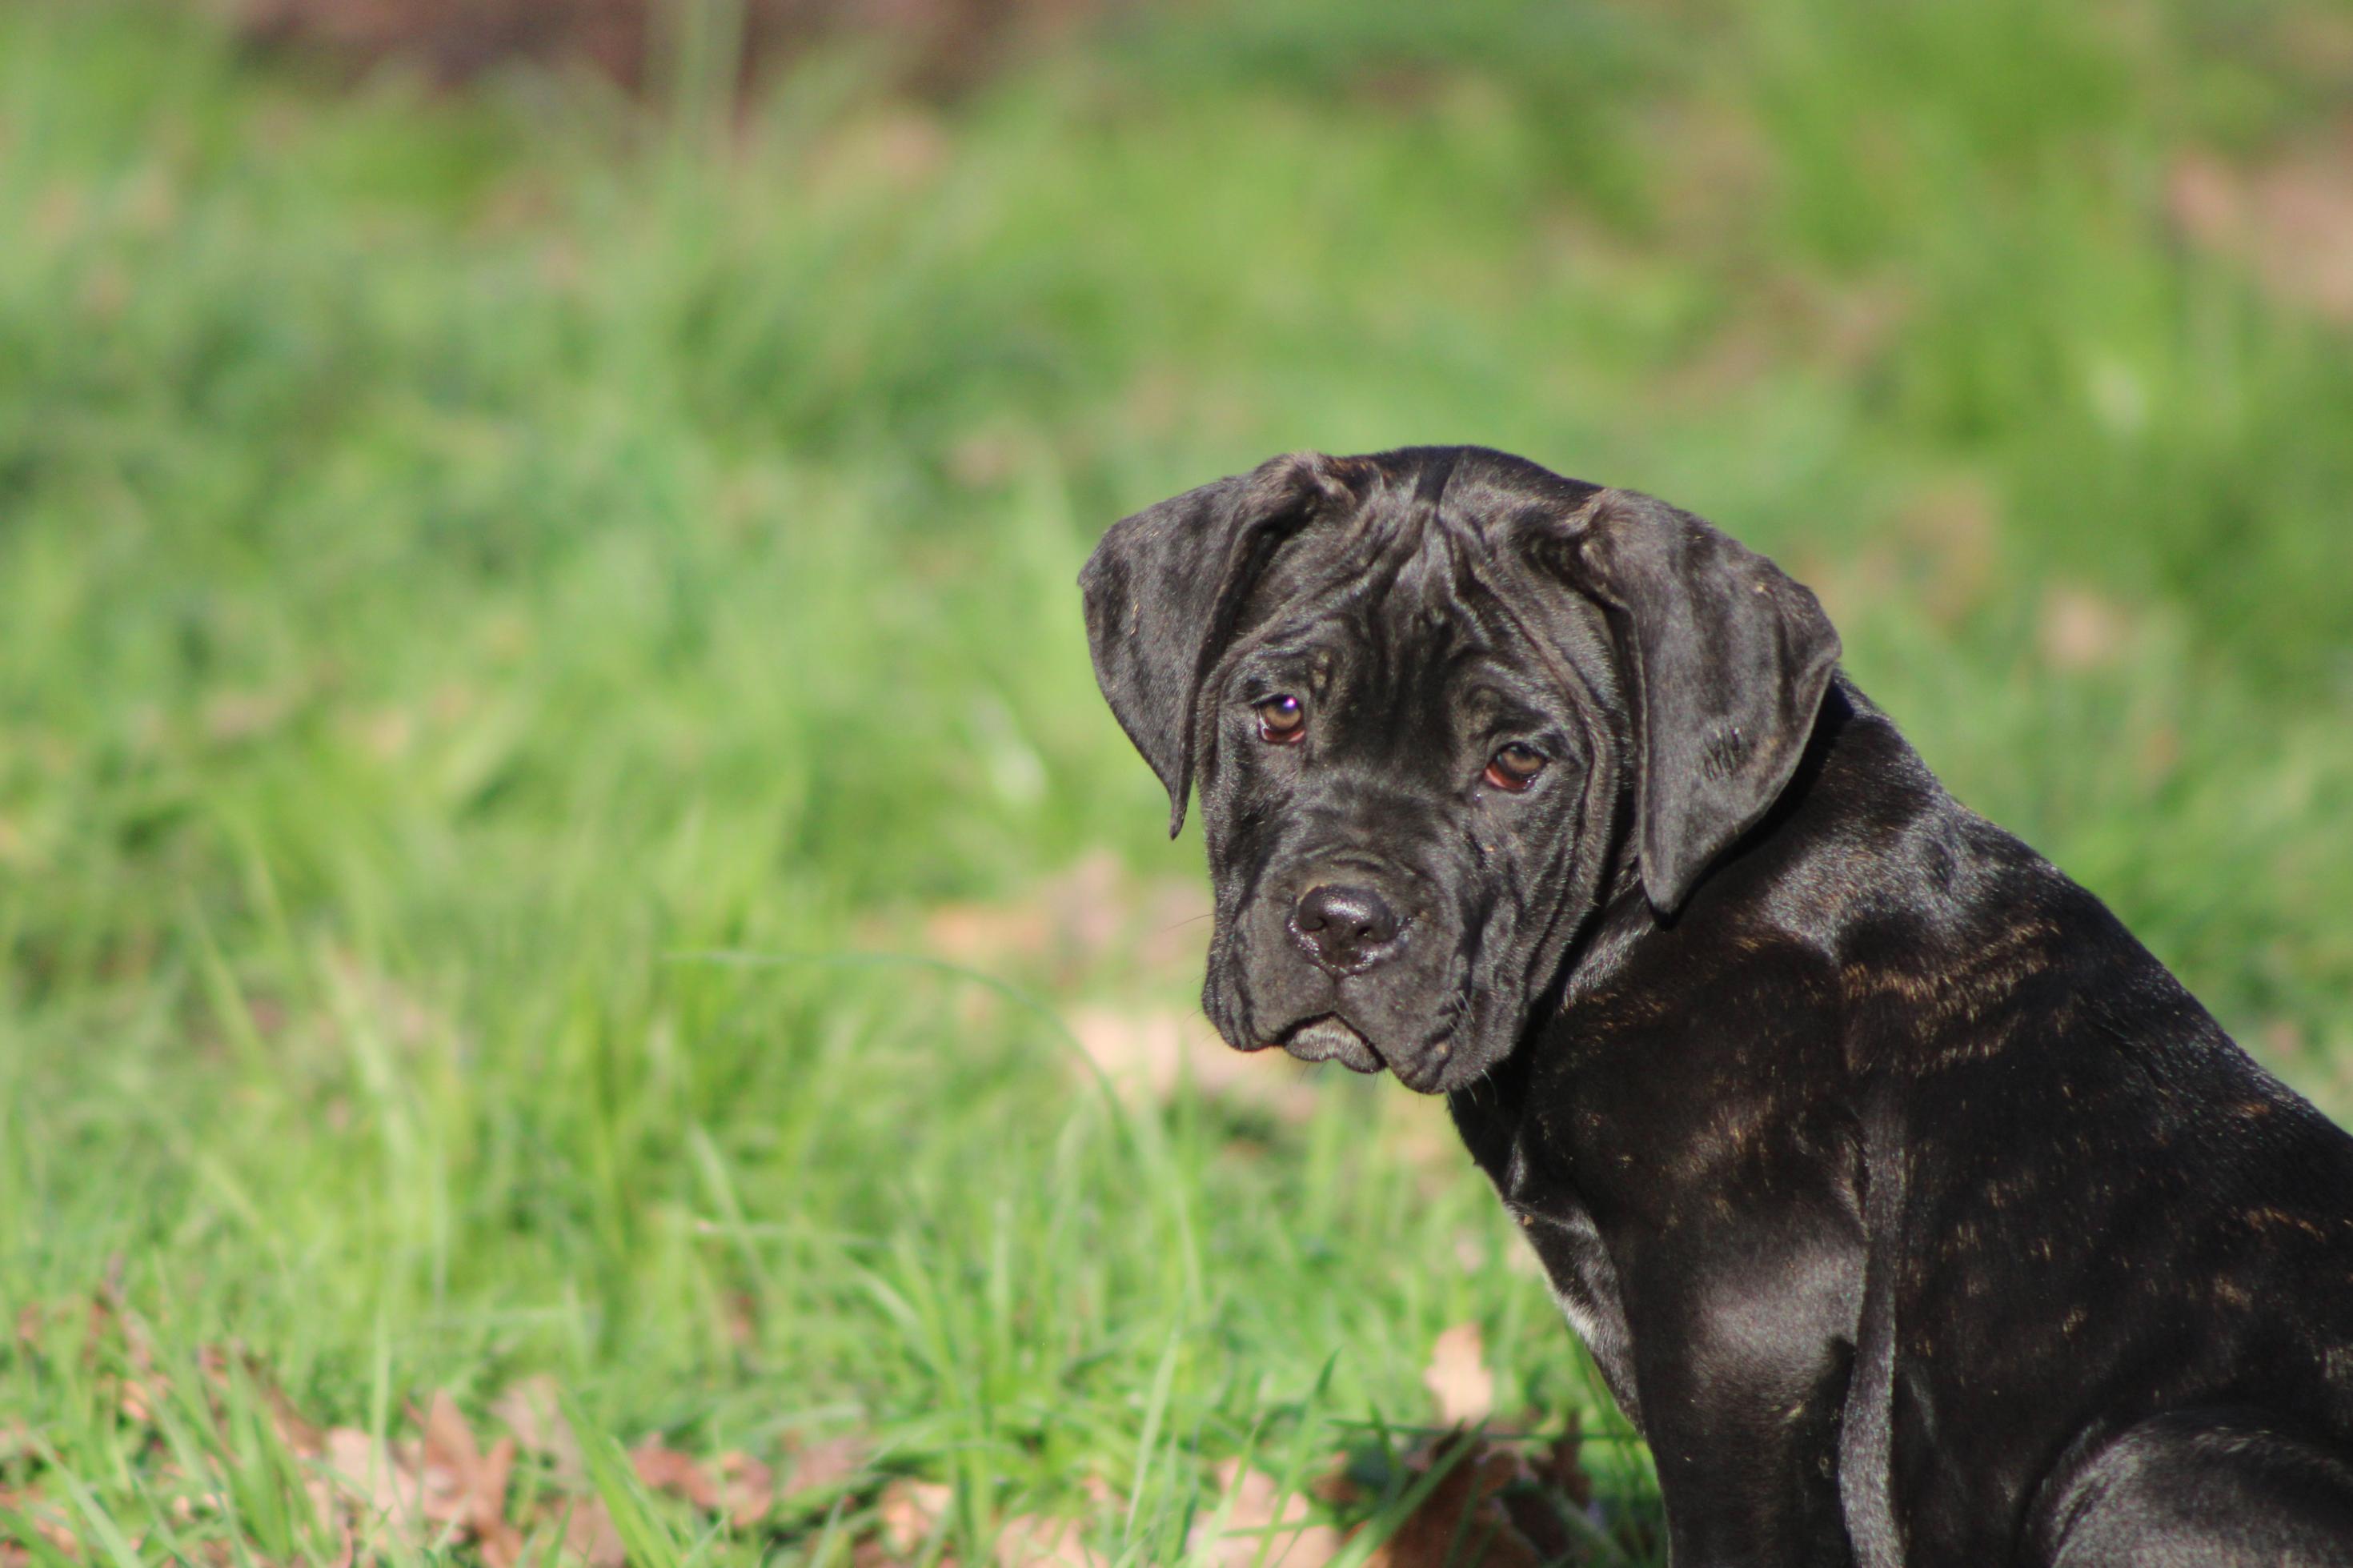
x=1584, y=1283
x=1542, y=1195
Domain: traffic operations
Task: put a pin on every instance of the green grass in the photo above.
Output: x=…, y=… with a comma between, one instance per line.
x=469, y=564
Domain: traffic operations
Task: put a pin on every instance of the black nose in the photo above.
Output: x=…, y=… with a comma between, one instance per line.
x=1345, y=929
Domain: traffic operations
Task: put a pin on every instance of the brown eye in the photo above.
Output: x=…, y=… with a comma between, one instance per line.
x=1514, y=768
x=1282, y=720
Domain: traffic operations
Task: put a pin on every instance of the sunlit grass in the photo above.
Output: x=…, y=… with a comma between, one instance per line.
x=514, y=601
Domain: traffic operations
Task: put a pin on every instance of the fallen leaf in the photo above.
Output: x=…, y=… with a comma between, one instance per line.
x=1559, y=1464
x=2080, y=630
x=1461, y=1523
x=1150, y=1052
x=668, y=1470
x=425, y=1489
x=480, y=1479
x=1535, y=1510
x=297, y=1432
x=450, y=1444
x=1140, y=1050
x=589, y=1531
x=747, y=1486
x=989, y=935
x=1952, y=535
x=534, y=1411
x=1259, y=1515
x=229, y=717
x=826, y=1467
x=2290, y=220
x=1032, y=1542
x=742, y=1313
x=1457, y=1378
x=375, y=1477
x=1074, y=921
x=49, y=1525
x=909, y=1512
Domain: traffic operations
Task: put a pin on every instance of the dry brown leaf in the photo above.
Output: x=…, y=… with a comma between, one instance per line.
x=909, y=1512
x=480, y=1479
x=534, y=1411
x=1559, y=1466
x=987, y=936
x=1149, y=1051
x=49, y=1525
x=1457, y=1378
x=1074, y=922
x=1463, y=1523
x=330, y=1509
x=499, y=1543
x=422, y=1492
x=367, y=997
x=45, y=1517
x=825, y=1467
x=135, y=1401
x=742, y=1316
x=589, y=1531
x=232, y=716
x=1952, y=532
x=373, y=1477
x=1031, y=1540
x=668, y=1470
x=1260, y=1514
x=2080, y=630
x=297, y=1432
x=1536, y=1512
x=1138, y=1050
x=2290, y=220
x=747, y=1486
x=386, y=1486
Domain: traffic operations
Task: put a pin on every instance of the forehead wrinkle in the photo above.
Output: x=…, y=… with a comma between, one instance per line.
x=1408, y=604
x=1568, y=677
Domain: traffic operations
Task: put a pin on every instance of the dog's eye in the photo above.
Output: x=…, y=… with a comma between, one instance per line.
x=1282, y=720
x=1514, y=768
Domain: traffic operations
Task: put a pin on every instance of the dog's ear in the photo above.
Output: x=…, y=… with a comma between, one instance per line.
x=1163, y=589
x=1725, y=661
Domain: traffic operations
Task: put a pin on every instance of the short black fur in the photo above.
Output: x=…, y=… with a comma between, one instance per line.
x=1913, y=1212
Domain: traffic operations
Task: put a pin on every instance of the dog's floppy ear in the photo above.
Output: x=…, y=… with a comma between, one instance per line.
x=1165, y=587
x=1725, y=661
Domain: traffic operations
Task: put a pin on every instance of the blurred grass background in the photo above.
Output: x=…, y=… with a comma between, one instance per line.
x=553, y=817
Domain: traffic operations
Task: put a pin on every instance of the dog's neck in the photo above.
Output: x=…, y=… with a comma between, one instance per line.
x=1859, y=780
x=1639, y=990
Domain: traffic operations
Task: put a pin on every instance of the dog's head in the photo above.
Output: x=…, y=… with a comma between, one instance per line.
x=1434, y=699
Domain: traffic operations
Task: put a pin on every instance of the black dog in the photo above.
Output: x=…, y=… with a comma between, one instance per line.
x=1912, y=1211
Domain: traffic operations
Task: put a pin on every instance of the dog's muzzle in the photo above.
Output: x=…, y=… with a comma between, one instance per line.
x=1331, y=1039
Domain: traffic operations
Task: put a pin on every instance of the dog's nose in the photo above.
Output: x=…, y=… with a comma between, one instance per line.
x=1345, y=929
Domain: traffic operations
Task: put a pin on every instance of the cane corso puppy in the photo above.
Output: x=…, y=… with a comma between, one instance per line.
x=1912, y=1211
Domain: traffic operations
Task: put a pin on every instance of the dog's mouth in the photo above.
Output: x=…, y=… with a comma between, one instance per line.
x=1330, y=1038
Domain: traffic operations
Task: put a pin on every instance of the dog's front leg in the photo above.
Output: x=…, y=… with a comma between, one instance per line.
x=1743, y=1340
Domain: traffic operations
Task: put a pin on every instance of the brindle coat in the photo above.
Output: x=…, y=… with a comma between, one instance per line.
x=1910, y=1208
